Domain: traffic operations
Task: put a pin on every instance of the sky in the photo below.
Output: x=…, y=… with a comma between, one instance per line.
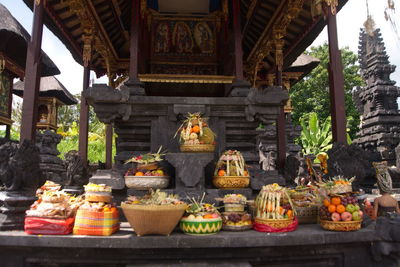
x=350, y=19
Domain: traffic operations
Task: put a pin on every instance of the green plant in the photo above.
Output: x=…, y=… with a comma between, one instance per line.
x=315, y=136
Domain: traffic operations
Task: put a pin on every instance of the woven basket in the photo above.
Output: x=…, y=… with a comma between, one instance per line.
x=153, y=219
x=307, y=214
x=236, y=227
x=149, y=166
x=231, y=182
x=341, y=226
x=204, y=227
x=198, y=148
x=340, y=189
x=281, y=223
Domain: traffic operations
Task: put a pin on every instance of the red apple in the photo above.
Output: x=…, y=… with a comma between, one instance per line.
x=335, y=217
x=346, y=216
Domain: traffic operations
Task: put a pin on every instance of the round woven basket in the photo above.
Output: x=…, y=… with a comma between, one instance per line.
x=146, y=182
x=149, y=166
x=236, y=227
x=307, y=214
x=204, y=227
x=281, y=223
x=153, y=219
x=198, y=148
x=341, y=226
x=231, y=182
x=340, y=189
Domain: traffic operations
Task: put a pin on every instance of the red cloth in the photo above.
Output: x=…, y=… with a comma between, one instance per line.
x=266, y=228
x=44, y=226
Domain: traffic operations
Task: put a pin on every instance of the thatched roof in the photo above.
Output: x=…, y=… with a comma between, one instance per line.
x=14, y=42
x=49, y=87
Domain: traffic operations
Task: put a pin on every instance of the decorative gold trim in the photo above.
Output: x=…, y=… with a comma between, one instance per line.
x=183, y=78
x=183, y=63
x=252, y=6
x=87, y=49
x=37, y=2
x=2, y=64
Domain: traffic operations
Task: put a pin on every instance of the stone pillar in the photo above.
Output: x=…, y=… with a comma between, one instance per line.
x=32, y=75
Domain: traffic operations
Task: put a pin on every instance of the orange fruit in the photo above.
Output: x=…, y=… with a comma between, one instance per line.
x=326, y=202
x=221, y=173
x=113, y=209
x=195, y=129
x=340, y=208
x=139, y=174
x=208, y=216
x=246, y=173
x=331, y=208
x=289, y=213
x=106, y=209
x=335, y=200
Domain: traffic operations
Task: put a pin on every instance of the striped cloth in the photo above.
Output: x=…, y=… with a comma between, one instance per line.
x=96, y=223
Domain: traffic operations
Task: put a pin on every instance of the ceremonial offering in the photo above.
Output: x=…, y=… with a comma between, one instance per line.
x=201, y=219
x=195, y=135
x=236, y=221
x=155, y=213
x=98, y=193
x=274, y=210
x=231, y=171
x=147, y=174
x=306, y=201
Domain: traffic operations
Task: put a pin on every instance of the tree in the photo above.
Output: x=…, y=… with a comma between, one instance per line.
x=312, y=93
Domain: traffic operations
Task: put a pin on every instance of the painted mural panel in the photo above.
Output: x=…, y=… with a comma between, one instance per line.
x=5, y=83
x=191, y=42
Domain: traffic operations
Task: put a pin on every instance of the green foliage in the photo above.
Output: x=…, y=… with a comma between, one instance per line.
x=312, y=93
x=316, y=136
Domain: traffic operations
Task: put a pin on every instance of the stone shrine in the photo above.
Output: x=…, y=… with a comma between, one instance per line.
x=377, y=101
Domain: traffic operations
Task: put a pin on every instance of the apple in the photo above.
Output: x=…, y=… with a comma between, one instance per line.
x=335, y=217
x=215, y=215
x=356, y=216
x=191, y=217
x=360, y=213
x=160, y=172
x=357, y=207
x=199, y=218
x=350, y=208
x=346, y=216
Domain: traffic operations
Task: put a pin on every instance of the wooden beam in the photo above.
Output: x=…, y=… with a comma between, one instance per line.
x=336, y=82
x=32, y=76
x=109, y=141
x=84, y=119
x=254, y=5
x=281, y=125
x=134, y=41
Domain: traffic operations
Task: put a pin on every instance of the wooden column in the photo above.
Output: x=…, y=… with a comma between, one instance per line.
x=134, y=41
x=109, y=141
x=336, y=82
x=32, y=76
x=281, y=122
x=237, y=31
x=84, y=118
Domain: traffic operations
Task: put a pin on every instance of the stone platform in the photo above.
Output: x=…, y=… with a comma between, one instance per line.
x=309, y=245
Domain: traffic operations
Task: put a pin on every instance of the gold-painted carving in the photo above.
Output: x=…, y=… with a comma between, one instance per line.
x=87, y=49
x=317, y=6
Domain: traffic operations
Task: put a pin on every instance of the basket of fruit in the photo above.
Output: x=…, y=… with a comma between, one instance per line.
x=155, y=213
x=195, y=135
x=338, y=185
x=236, y=221
x=231, y=171
x=201, y=219
x=147, y=174
x=340, y=213
x=306, y=202
x=233, y=202
x=274, y=210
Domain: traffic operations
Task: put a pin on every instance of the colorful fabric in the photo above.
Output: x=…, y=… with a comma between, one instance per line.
x=96, y=223
x=266, y=228
x=44, y=226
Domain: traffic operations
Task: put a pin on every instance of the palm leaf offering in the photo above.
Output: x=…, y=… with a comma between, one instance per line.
x=195, y=131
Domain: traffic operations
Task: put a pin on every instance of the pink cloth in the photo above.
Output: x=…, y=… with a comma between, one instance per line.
x=266, y=228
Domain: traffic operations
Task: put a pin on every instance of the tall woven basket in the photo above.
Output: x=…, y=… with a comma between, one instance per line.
x=153, y=219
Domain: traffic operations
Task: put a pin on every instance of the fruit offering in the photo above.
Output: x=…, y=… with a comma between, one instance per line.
x=274, y=203
x=338, y=185
x=154, y=198
x=201, y=218
x=195, y=135
x=234, y=202
x=341, y=208
x=147, y=165
x=231, y=163
x=97, y=193
x=236, y=221
x=306, y=202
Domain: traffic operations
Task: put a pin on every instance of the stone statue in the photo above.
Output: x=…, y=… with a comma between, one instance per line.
x=20, y=177
x=77, y=174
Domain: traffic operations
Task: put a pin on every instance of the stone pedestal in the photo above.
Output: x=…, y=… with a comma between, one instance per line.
x=12, y=210
x=189, y=169
x=240, y=88
x=108, y=177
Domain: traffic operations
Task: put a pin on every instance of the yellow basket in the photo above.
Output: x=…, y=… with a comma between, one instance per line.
x=341, y=226
x=198, y=148
x=231, y=182
x=279, y=223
